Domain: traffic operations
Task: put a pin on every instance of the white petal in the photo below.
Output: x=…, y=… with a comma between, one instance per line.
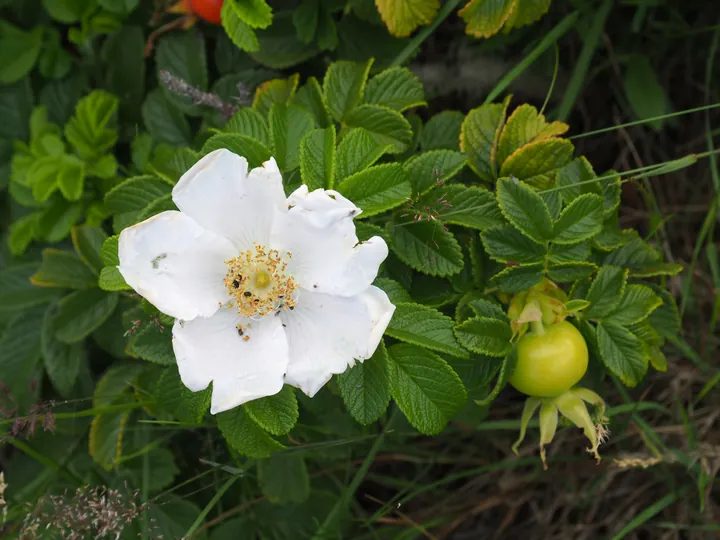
x=211, y=349
x=220, y=195
x=319, y=232
x=176, y=264
x=328, y=333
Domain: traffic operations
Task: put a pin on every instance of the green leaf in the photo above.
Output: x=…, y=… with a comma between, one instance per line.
x=109, y=251
x=666, y=318
x=174, y=397
x=63, y=269
x=605, y=292
x=173, y=517
x=88, y=242
x=165, y=122
x=249, y=122
x=57, y=219
x=317, y=158
x=161, y=468
x=403, y=16
x=288, y=125
x=580, y=220
x=128, y=199
x=244, y=435
x=485, y=336
x=396, y=292
x=640, y=258
x=429, y=169
x=486, y=17
x=162, y=204
x=425, y=246
x=506, y=370
x=576, y=179
x=565, y=272
x=19, y=51
x=357, y=151
x=385, y=125
x=279, y=47
x=182, y=54
x=377, y=189
x=276, y=414
x=442, y=131
x=518, y=278
x=154, y=345
x=507, y=244
x=658, y=359
x=479, y=136
x=62, y=362
x=344, y=86
x=236, y=29
x=305, y=20
x=20, y=353
x=425, y=387
x=525, y=209
x=251, y=149
x=82, y=312
x=106, y=438
x=68, y=11
x=537, y=163
x=16, y=291
x=527, y=13
x=327, y=32
x=111, y=279
x=254, y=13
x=396, y=88
x=121, y=7
x=365, y=388
x=426, y=327
x=637, y=303
x=274, y=91
x=525, y=125
x=562, y=253
x=284, y=479
x=16, y=103
x=472, y=207
x=42, y=177
x=312, y=98
x=92, y=130
x=124, y=55
x=644, y=92
x=433, y=291
x=22, y=232
x=622, y=353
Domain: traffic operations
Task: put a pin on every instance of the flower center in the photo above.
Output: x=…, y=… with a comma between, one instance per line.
x=258, y=281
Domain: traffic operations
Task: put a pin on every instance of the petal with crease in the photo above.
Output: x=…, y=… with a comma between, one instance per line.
x=220, y=194
x=326, y=334
x=212, y=349
x=318, y=230
x=174, y=263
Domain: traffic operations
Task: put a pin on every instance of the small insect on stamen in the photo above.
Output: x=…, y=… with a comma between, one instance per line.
x=247, y=293
x=236, y=283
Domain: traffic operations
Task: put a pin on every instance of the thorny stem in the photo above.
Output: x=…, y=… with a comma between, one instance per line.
x=199, y=97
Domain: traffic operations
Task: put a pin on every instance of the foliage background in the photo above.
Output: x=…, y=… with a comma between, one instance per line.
x=618, y=62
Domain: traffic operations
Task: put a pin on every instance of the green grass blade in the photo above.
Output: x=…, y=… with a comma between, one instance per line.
x=424, y=33
x=550, y=38
x=592, y=38
x=209, y=506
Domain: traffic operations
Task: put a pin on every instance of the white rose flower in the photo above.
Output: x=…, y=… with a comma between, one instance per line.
x=266, y=289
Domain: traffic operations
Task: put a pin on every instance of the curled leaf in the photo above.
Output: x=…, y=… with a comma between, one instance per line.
x=531, y=405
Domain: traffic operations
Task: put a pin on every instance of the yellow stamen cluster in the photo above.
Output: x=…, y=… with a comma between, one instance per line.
x=258, y=281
